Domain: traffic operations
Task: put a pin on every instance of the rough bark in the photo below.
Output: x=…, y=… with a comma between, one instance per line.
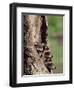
x=37, y=55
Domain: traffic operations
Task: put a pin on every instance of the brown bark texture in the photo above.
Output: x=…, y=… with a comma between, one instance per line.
x=37, y=54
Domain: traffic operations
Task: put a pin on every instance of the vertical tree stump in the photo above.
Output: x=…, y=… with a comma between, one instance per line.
x=37, y=55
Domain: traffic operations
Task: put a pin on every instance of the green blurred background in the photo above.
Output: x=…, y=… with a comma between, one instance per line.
x=55, y=41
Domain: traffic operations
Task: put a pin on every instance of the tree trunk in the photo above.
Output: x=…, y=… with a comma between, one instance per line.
x=37, y=55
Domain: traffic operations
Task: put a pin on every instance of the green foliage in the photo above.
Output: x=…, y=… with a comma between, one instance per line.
x=55, y=37
x=55, y=24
